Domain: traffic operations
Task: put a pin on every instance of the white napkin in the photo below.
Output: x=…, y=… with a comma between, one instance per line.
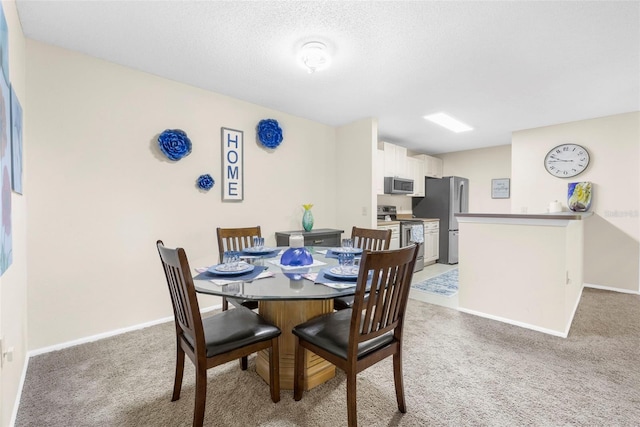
x=314, y=276
x=222, y=282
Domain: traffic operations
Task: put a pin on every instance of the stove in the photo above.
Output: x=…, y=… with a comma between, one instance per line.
x=409, y=228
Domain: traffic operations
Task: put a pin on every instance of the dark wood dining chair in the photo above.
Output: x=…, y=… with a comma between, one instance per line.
x=357, y=338
x=236, y=239
x=216, y=339
x=364, y=238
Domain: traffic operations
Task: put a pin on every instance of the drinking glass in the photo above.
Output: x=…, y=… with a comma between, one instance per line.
x=346, y=261
x=347, y=244
x=231, y=259
x=258, y=243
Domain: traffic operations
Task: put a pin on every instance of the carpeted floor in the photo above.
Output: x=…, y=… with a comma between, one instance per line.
x=445, y=284
x=459, y=370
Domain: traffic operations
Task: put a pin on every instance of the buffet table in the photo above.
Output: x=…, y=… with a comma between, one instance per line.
x=526, y=270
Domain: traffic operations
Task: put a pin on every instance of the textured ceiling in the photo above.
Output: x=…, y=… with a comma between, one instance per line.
x=498, y=66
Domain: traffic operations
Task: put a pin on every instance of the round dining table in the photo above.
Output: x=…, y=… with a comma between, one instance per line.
x=286, y=298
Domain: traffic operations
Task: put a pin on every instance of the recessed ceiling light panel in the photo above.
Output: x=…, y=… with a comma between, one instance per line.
x=314, y=56
x=448, y=122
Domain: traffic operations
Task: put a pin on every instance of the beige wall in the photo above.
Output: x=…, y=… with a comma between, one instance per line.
x=355, y=149
x=612, y=233
x=481, y=166
x=103, y=193
x=13, y=283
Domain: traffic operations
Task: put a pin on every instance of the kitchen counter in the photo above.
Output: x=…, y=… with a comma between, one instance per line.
x=388, y=222
x=411, y=217
x=526, y=270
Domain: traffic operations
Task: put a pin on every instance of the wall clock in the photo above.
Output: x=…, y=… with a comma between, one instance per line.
x=566, y=160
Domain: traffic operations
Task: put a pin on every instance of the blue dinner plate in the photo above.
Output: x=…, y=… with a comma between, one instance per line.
x=355, y=251
x=263, y=251
x=223, y=270
x=336, y=273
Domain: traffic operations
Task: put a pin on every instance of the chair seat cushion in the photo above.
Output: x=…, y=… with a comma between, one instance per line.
x=239, y=302
x=342, y=303
x=331, y=332
x=233, y=329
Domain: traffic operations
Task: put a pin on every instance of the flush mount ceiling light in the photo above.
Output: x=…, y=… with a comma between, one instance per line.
x=314, y=56
x=448, y=122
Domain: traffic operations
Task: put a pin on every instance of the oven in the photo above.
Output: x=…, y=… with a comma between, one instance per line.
x=410, y=232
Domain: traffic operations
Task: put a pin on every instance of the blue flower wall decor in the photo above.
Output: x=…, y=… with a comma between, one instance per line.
x=205, y=182
x=174, y=143
x=269, y=133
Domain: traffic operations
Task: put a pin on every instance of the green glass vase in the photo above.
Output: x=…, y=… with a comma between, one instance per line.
x=307, y=220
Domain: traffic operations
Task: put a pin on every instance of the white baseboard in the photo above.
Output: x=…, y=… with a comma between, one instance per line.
x=609, y=288
x=515, y=323
x=79, y=341
x=14, y=413
x=103, y=335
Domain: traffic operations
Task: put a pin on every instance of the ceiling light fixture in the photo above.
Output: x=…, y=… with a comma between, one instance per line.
x=314, y=56
x=448, y=122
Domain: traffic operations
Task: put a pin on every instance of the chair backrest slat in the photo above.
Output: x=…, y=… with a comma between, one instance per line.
x=236, y=239
x=390, y=273
x=183, y=294
x=371, y=239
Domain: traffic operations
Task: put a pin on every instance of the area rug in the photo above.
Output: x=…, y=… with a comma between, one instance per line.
x=446, y=284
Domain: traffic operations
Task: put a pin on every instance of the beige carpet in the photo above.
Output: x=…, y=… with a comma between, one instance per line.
x=459, y=370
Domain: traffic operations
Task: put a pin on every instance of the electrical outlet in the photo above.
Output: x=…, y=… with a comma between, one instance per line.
x=364, y=211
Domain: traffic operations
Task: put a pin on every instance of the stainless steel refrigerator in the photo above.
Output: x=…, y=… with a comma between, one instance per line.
x=444, y=197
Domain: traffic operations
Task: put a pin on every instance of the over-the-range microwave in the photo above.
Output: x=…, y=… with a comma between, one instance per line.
x=393, y=185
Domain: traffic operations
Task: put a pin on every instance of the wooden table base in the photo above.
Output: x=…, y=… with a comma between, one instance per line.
x=286, y=315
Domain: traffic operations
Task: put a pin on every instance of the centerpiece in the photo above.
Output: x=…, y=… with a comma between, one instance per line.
x=297, y=255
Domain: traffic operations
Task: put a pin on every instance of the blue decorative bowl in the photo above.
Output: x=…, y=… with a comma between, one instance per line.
x=295, y=257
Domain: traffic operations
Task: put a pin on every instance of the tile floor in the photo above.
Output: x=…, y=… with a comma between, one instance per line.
x=428, y=272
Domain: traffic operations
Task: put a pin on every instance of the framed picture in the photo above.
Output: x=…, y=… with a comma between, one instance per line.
x=500, y=188
x=16, y=143
x=232, y=165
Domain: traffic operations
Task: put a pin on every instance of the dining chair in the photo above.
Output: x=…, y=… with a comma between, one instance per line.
x=357, y=338
x=236, y=239
x=364, y=238
x=216, y=339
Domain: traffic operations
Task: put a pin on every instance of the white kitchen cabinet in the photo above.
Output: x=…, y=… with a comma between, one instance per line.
x=416, y=166
x=431, y=241
x=379, y=172
x=395, y=160
x=395, y=234
x=433, y=165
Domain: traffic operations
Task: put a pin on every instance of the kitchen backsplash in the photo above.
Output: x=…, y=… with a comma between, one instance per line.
x=401, y=202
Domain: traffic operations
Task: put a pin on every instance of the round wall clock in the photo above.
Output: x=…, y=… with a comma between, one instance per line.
x=566, y=160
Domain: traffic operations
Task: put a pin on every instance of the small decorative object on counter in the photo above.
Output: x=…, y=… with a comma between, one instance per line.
x=554, y=207
x=174, y=143
x=307, y=217
x=579, y=196
x=205, y=182
x=297, y=254
x=269, y=133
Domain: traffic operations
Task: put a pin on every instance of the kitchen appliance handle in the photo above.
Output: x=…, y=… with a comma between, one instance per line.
x=461, y=196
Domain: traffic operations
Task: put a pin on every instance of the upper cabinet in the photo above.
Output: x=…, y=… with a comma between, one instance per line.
x=395, y=160
x=433, y=166
x=379, y=172
x=392, y=160
x=416, y=168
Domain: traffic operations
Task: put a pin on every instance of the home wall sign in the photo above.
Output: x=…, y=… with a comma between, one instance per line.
x=232, y=165
x=500, y=188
